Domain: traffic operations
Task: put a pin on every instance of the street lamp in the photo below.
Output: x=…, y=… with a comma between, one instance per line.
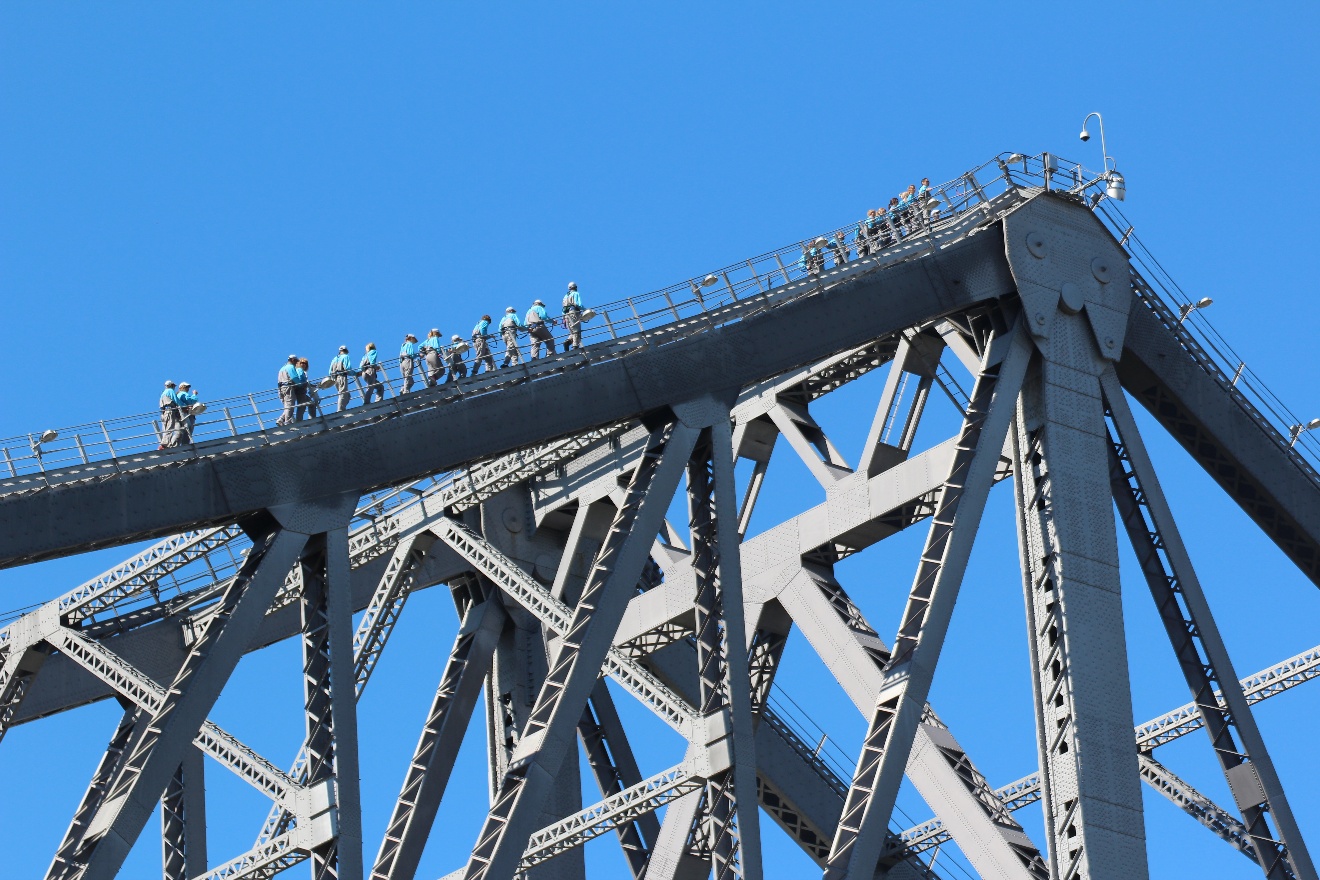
x=1187, y=308
x=1298, y=430
x=1115, y=185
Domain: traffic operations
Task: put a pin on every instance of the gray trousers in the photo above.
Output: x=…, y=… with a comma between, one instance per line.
x=435, y=366
x=481, y=354
x=573, y=324
x=374, y=385
x=543, y=342
x=287, y=399
x=170, y=425
x=341, y=391
x=511, y=353
x=406, y=365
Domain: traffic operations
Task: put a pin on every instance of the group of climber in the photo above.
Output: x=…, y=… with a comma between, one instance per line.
x=906, y=212
x=430, y=360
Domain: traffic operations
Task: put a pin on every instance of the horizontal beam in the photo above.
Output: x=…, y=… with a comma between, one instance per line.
x=453, y=428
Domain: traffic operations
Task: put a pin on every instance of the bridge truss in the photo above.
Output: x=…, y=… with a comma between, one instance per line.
x=1020, y=300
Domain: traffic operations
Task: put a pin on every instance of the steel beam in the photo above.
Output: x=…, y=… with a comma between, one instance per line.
x=144, y=775
x=612, y=762
x=585, y=645
x=448, y=428
x=1069, y=554
x=915, y=362
x=129, y=729
x=1201, y=653
x=1200, y=408
x=995, y=844
x=183, y=821
x=723, y=680
x=433, y=760
x=909, y=670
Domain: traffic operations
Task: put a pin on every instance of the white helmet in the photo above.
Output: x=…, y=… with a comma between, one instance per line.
x=511, y=309
x=572, y=285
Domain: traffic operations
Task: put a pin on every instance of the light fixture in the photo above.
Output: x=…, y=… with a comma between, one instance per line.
x=1298, y=430
x=49, y=435
x=709, y=280
x=1187, y=308
x=1115, y=185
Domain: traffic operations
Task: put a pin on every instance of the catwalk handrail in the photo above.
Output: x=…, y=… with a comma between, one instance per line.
x=692, y=306
x=99, y=449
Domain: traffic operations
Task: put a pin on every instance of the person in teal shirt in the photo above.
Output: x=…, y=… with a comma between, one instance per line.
x=481, y=355
x=285, y=380
x=372, y=372
x=457, y=369
x=340, y=369
x=538, y=326
x=510, y=324
x=573, y=317
x=186, y=398
x=408, y=360
x=169, y=416
x=432, y=351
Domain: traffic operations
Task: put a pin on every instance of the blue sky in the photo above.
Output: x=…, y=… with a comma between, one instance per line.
x=193, y=191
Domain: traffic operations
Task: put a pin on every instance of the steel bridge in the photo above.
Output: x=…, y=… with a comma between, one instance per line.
x=1018, y=292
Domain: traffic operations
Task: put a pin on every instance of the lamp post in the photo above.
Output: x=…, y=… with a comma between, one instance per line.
x=1115, y=185
x=1187, y=308
x=1298, y=430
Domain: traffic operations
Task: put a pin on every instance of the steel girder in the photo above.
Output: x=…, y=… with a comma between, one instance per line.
x=1051, y=407
x=586, y=642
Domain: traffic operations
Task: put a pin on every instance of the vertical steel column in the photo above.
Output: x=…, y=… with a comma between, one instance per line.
x=183, y=821
x=330, y=702
x=724, y=698
x=343, y=699
x=1091, y=790
x=1201, y=653
x=550, y=730
x=901, y=703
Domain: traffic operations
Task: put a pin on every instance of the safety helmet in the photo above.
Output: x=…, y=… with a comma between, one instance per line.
x=511, y=309
x=537, y=302
x=343, y=348
x=572, y=285
x=435, y=332
x=458, y=338
x=293, y=357
x=184, y=385
x=169, y=383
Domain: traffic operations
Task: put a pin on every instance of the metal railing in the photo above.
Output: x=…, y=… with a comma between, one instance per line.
x=99, y=449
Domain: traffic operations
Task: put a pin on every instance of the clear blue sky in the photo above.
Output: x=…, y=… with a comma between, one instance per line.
x=193, y=191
